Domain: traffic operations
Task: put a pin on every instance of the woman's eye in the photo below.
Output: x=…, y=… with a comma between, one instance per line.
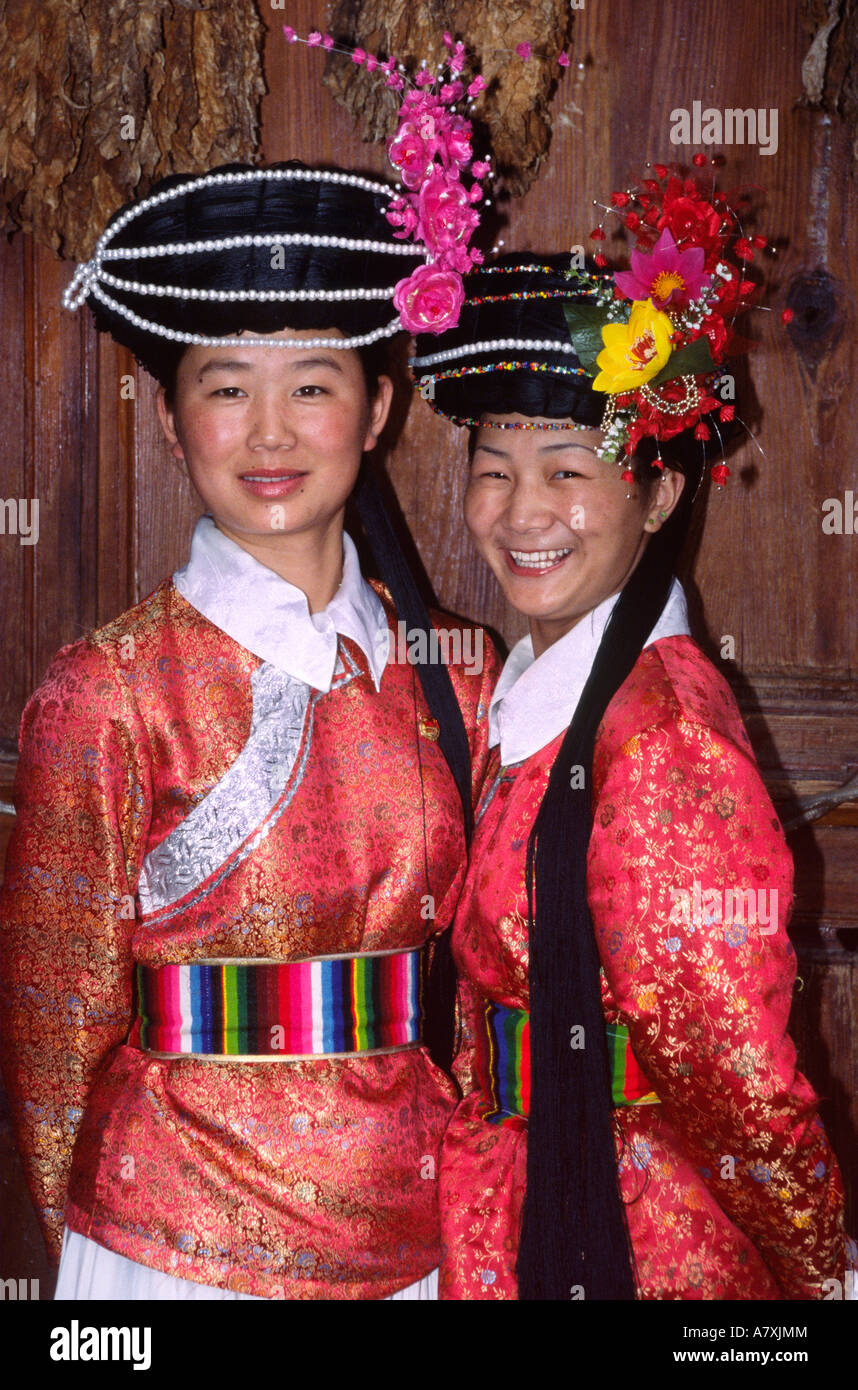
x=230, y=392
x=489, y=473
x=310, y=391
x=568, y=473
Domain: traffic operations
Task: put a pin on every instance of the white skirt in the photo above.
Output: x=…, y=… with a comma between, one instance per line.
x=89, y=1271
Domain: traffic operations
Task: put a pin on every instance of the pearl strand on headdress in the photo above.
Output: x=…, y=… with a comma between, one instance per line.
x=202, y=340
x=229, y=243
x=212, y=180
x=85, y=275
x=493, y=345
x=241, y=296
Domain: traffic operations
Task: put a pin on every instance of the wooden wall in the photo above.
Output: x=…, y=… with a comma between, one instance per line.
x=115, y=515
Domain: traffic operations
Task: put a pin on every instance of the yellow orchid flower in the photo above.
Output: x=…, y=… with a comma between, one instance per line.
x=634, y=352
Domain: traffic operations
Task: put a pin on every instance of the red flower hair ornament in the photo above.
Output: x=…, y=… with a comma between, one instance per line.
x=655, y=337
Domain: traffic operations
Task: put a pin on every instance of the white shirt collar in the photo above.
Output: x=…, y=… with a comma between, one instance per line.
x=535, y=698
x=271, y=617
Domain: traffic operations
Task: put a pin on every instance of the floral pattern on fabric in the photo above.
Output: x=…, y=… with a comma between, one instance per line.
x=287, y=1180
x=731, y=1187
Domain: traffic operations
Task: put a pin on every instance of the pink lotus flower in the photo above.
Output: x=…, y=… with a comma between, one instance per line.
x=430, y=300
x=665, y=275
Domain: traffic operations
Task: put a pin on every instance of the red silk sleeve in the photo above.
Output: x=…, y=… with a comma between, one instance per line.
x=681, y=818
x=67, y=910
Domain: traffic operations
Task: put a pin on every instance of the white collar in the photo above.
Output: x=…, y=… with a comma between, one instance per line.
x=271, y=617
x=535, y=698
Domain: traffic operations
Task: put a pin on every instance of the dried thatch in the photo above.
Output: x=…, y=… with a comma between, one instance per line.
x=99, y=99
x=830, y=68
x=515, y=107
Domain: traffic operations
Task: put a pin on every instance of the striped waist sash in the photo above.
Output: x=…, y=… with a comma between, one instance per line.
x=282, y=1010
x=503, y=1065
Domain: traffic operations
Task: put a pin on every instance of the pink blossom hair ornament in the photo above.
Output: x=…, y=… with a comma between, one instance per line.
x=441, y=183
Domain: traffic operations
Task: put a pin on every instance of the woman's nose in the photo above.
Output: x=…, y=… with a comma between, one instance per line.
x=271, y=424
x=528, y=508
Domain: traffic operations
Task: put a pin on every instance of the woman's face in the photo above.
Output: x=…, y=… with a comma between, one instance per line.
x=554, y=522
x=272, y=438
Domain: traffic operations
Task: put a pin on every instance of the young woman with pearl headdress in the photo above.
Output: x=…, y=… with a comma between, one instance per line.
x=241, y=821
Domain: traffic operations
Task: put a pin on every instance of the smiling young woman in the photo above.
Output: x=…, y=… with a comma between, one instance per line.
x=272, y=440
x=634, y=1124
x=555, y=522
x=240, y=820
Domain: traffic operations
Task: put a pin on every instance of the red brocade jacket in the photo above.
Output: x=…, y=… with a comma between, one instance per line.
x=731, y=1188
x=303, y=1179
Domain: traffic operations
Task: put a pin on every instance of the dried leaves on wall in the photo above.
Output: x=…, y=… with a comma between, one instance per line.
x=99, y=99
x=515, y=106
x=830, y=68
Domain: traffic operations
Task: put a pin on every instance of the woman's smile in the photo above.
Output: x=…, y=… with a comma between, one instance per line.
x=273, y=482
x=532, y=564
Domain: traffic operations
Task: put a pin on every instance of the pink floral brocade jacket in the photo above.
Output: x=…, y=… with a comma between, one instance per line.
x=731, y=1186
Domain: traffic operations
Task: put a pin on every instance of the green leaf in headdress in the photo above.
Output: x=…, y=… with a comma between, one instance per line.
x=585, y=323
x=687, y=361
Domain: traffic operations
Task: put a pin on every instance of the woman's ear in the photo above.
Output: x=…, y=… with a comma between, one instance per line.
x=379, y=409
x=665, y=496
x=167, y=416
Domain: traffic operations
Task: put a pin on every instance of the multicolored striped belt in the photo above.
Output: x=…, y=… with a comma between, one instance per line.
x=503, y=1065
x=284, y=1011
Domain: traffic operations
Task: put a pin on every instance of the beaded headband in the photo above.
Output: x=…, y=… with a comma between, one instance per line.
x=549, y=352
x=654, y=339
x=91, y=278
x=425, y=384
